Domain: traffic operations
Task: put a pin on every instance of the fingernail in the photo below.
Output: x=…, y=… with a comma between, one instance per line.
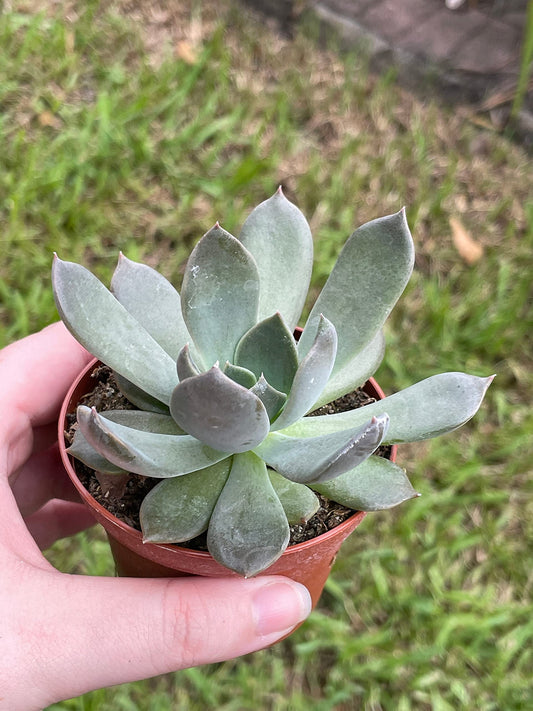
x=280, y=606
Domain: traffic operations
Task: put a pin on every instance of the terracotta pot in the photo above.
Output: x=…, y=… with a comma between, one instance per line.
x=309, y=562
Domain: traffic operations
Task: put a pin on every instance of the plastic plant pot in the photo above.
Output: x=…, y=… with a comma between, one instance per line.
x=309, y=562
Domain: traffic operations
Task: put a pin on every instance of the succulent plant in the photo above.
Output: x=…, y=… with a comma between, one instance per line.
x=223, y=388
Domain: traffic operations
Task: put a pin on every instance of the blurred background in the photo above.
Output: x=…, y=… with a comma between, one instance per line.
x=134, y=126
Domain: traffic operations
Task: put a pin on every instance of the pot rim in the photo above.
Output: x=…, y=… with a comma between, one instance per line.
x=135, y=535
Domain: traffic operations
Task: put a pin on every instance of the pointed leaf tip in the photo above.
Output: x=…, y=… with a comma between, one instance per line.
x=431, y=407
x=185, y=365
x=220, y=294
x=371, y=272
x=279, y=237
x=152, y=300
x=321, y=458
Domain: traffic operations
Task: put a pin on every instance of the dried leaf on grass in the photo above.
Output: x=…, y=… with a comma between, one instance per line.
x=185, y=51
x=470, y=250
x=47, y=118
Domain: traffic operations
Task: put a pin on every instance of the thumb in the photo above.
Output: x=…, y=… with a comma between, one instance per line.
x=109, y=631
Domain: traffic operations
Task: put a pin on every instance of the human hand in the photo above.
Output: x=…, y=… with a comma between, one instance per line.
x=62, y=635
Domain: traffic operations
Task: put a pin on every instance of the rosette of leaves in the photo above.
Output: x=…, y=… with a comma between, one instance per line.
x=223, y=388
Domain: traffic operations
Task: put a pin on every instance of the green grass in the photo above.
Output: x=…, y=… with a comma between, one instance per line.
x=111, y=142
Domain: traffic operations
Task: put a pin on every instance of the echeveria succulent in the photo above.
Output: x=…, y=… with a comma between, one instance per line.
x=224, y=388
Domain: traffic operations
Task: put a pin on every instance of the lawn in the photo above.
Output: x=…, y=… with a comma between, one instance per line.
x=135, y=126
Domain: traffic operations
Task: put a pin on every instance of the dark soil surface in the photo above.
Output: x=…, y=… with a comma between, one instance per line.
x=124, y=501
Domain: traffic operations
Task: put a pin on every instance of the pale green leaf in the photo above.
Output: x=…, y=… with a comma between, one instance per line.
x=278, y=236
x=248, y=530
x=269, y=349
x=179, y=509
x=153, y=301
x=432, y=407
x=241, y=376
x=272, y=399
x=371, y=272
x=324, y=457
x=105, y=328
x=311, y=377
x=138, y=397
x=219, y=412
x=298, y=501
x=374, y=485
x=145, y=421
x=185, y=365
x=355, y=373
x=147, y=453
x=137, y=419
x=220, y=294
x=82, y=450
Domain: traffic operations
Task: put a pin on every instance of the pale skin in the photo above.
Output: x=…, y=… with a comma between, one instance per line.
x=62, y=635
